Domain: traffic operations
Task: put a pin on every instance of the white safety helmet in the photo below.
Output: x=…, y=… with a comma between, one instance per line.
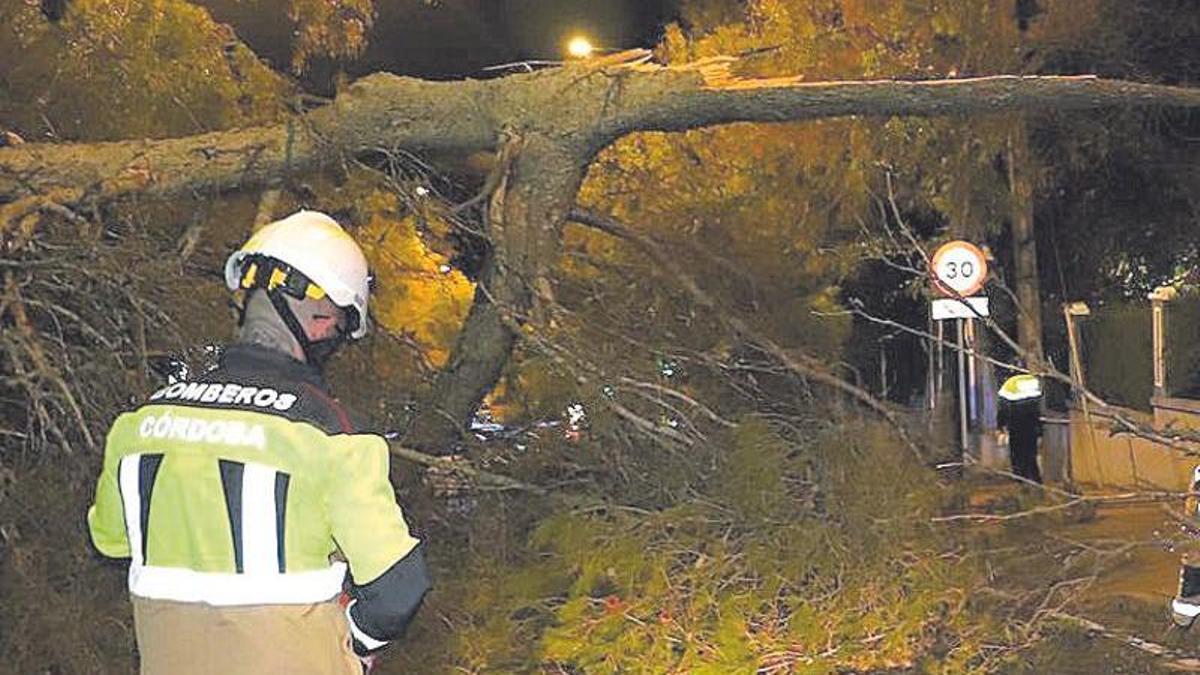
x=313, y=244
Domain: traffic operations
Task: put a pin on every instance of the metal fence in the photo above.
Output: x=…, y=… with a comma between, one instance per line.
x=1134, y=352
x=1117, y=351
x=1182, y=345
x=1143, y=358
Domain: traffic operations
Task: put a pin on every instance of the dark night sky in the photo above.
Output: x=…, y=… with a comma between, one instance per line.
x=457, y=38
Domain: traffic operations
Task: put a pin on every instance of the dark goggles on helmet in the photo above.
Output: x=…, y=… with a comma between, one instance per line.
x=271, y=274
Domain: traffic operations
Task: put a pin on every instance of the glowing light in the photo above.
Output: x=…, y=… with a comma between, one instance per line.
x=580, y=47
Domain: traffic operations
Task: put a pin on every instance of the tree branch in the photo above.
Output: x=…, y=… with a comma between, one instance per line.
x=528, y=205
x=586, y=104
x=570, y=113
x=795, y=361
x=479, y=475
x=381, y=110
x=707, y=93
x=1173, y=658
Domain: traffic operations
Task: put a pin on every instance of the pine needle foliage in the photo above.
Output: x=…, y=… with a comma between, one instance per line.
x=793, y=556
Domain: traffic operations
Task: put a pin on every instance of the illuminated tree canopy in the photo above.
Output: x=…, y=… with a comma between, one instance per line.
x=554, y=123
x=666, y=244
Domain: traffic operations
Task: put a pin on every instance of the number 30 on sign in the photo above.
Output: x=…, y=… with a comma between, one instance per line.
x=959, y=269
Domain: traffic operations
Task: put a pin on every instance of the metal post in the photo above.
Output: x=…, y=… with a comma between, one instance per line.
x=973, y=386
x=962, y=390
x=941, y=357
x=931, y=375
x=883, y=375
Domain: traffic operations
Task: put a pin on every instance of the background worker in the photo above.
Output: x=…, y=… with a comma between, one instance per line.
x=1020, y=414
x=243, y=497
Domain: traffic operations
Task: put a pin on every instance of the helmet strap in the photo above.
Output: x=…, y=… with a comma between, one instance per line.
x=240, y=305
x=316, y=352
x=319, y=351
x=278, y=281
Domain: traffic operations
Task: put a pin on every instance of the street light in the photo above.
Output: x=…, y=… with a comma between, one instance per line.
x=580, y=47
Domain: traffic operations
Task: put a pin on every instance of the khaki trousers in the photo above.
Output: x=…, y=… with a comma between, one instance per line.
x=183, y=638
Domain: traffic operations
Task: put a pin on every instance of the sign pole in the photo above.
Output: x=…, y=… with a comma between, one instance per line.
x=931, y=372
x=958, y=271
x=972, y=377
x=962, y=392
x=941, y=360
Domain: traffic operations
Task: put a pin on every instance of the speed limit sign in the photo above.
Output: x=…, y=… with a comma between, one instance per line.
x=959, y=268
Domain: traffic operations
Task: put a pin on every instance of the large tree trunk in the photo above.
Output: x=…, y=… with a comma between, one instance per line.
x=587, y=103
x=1024, y=240
x=376, y=114
x=525, y=218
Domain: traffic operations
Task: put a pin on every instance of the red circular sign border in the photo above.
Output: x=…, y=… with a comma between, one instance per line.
x=942, y=251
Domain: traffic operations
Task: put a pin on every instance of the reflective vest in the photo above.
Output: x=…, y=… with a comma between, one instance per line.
x=238, y=489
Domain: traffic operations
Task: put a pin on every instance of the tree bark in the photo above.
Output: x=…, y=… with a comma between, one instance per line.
x=585, y=104
x=525, y=217
x=705, y=94
x=1024, y=241
x=378, y=113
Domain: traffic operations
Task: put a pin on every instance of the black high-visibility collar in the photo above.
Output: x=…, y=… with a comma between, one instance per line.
x=273, y=363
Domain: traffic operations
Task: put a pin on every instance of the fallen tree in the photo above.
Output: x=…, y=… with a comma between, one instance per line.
x=545, y=126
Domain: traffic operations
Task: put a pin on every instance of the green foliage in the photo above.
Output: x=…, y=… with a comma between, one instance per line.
x=113, y=69
x=1118, y=353
x=1120, y=216
x=1182, y=349
x=812, y=556
x=797, y=550
x=771, y=219
x=335, y=29
x=1118, y=350
x=1114, y=206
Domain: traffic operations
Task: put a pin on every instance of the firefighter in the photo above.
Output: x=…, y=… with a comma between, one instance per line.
x=1020, y=415
x=262, y=531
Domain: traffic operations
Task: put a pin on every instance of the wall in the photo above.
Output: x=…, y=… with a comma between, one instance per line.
x=1100, y=459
